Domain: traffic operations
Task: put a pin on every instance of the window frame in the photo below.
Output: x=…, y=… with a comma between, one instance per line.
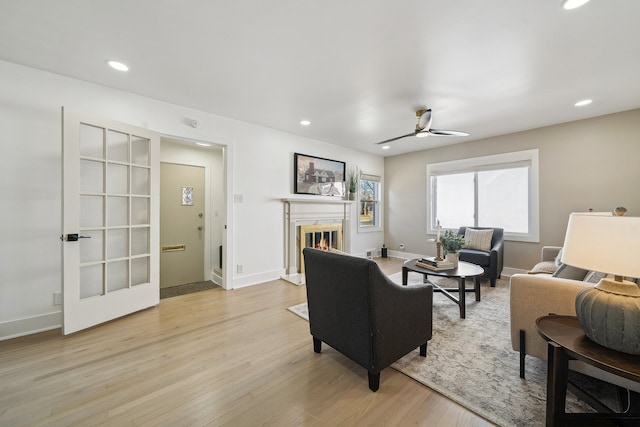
x=493, y=162
x=379, y=226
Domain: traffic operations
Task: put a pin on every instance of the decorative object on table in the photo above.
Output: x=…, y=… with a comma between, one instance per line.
x=432, y=263
x=383, y=251
x=451, y=243
x=438, y=244
x=318, y=176
x=352, y=182
x=609, y=313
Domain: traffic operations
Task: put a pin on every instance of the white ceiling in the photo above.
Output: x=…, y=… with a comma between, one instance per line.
x=357, y=69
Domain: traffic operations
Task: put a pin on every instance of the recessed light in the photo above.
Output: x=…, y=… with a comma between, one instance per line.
x=305, y=122
x=117, y=65
x=573, y=4
x=203, y=144
x=385, y=147
x=583, y=103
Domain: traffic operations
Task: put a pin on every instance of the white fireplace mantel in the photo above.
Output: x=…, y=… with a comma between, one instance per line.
x=310, y=211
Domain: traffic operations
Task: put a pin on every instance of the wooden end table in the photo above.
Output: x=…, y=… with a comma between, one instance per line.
x=567, y=341
x=465, y=270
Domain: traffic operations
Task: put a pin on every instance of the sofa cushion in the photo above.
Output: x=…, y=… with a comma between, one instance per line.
x=548, y=267
x=478, y=239
x=569, y=272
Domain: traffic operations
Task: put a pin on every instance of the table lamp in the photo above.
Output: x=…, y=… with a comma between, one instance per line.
x=609, y=313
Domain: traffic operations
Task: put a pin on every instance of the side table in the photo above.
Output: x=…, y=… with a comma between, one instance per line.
x=566, y=340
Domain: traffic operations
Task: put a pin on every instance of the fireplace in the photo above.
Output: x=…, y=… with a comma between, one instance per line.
x=319, y=236
x=313, y=221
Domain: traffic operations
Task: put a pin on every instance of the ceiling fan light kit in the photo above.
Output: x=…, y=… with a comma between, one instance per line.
x=573, y=4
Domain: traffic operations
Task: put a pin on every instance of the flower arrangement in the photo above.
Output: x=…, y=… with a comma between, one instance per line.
x=451, y=241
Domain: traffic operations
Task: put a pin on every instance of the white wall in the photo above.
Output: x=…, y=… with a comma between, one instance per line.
x=261, y=168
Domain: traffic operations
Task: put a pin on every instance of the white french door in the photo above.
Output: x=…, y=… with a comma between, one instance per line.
x=110, y=220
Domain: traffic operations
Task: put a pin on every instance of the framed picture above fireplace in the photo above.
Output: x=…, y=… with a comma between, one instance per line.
x=318, y=176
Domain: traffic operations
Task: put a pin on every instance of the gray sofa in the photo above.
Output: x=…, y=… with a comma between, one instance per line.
x=358, y=311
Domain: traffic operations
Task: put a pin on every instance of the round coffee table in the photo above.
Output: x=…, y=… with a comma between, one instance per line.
x=465, y=270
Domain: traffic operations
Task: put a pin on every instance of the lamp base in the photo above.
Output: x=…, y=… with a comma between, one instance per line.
x=609, y=314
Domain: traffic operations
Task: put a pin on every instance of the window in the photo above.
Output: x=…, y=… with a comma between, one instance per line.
x=492, y=191
x=369, y=218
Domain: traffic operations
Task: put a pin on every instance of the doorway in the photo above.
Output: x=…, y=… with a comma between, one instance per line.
x=183, y=163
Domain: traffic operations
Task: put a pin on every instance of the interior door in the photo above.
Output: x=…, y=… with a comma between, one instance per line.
x=182, y=228
x=110, y=220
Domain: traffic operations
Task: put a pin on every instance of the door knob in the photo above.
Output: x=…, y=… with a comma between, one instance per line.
x=74, y=237
x=200, y=228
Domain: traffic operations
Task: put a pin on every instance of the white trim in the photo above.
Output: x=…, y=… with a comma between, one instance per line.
x=30, y=325
x=380, y=201
x=257, y=279
x=513, y=159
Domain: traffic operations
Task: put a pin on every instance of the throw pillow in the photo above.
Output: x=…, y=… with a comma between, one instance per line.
x=594, y=276
x=478, y=239
x=569, y=272
x=548, y=267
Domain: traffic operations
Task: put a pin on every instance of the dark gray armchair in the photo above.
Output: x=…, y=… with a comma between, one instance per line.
x=357, y=310
x=491, y=261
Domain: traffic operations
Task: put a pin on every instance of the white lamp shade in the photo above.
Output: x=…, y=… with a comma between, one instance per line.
x=608, y=244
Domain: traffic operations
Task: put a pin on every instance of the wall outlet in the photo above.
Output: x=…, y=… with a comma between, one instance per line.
x=57, y=298
x=237, y=198
x=239, y=268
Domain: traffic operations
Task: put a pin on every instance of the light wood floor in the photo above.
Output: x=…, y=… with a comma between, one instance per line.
x=216, y=357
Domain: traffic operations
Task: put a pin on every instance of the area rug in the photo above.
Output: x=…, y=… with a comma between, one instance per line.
x=471, y=361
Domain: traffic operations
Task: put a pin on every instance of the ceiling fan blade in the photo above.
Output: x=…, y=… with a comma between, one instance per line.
x=438, y=132
x=396, y=138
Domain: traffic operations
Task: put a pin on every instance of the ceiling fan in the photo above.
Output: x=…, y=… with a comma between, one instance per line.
x=423, y=128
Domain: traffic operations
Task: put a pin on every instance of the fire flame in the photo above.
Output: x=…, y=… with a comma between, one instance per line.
x=323, y=245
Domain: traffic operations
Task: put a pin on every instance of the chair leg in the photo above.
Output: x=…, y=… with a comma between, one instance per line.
x=317, y=345
x=374, y=381
x=523, y=353
x=423, y=350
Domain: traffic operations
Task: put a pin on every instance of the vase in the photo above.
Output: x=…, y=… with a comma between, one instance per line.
x=352, y=195
x=452, y=257
x=609, y=314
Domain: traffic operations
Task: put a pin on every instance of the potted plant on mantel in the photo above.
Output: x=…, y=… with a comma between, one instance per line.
x=352, y=182
x=451, y=243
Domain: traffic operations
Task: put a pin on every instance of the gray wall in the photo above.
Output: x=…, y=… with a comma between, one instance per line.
x=590, y=163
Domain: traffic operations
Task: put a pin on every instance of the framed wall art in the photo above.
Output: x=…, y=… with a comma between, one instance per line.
x=318, y=176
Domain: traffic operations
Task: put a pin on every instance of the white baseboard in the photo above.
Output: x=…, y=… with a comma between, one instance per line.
x=216, y=277
x=30, y=325
x=256, y=279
